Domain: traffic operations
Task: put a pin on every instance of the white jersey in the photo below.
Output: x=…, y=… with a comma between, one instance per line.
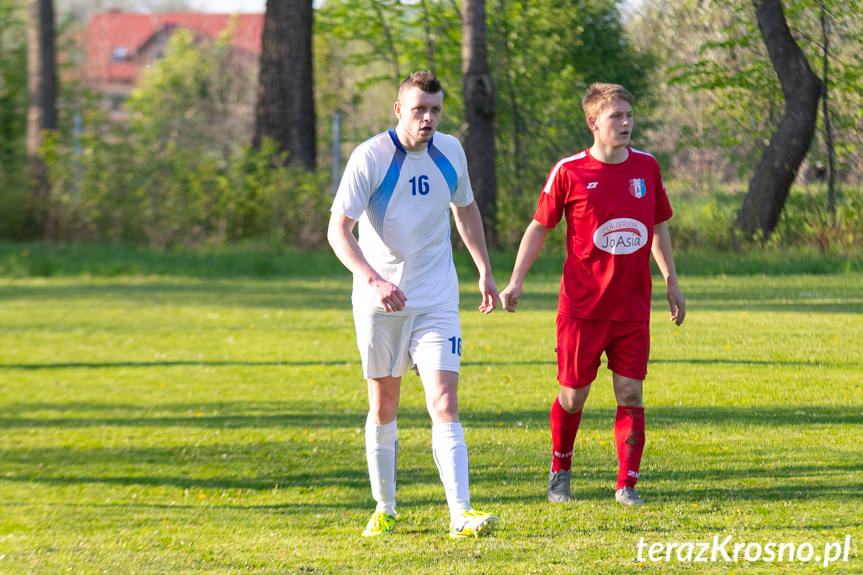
x=402, y=202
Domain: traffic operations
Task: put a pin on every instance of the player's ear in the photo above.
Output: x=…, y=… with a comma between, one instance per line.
x=397, y=108
x=591, y=123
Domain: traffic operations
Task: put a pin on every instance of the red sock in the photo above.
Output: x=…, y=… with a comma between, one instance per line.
x=629, y=438
x=564, y=426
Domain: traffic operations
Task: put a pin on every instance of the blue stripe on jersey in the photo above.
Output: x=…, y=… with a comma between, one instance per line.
x=445, y=168
x=380, y=199
x=395, y=140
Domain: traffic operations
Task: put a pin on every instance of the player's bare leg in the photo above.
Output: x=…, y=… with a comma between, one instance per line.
x=384, y=393
x=628, y=436
x=572, y=399
x=627, y=391
x=382, y=452
x=441, y=390
x=450, y=454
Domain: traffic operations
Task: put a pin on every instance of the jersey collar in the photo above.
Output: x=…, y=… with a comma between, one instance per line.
x=398, y=144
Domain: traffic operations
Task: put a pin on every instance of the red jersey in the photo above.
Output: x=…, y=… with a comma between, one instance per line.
x=610, y=213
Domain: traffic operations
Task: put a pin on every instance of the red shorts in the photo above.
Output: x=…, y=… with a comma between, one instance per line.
x=580, y=343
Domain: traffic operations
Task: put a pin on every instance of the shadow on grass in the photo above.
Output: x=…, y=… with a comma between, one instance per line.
x=307, y=466
x=354, y=361
x=322, y=415
x=334, y=293
x=312, y=487
x=775, y=299
x=307, y=294
x=160, y=364
x=356, y=478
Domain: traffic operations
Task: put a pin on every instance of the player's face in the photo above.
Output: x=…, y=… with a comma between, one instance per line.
x=419, y=114
x=613, y=128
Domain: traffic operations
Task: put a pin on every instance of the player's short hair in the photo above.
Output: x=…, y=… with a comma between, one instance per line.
x=600, y=94
x=424, y=80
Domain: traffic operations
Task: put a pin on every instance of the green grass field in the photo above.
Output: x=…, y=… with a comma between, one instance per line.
x=181, y=423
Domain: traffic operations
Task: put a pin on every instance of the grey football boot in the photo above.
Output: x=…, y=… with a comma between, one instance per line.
x=628, y=496
x=558, y=486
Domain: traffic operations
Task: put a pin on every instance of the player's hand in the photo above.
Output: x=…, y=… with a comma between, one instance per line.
x=509, y=297
x=389, y=296
x=488, y=289
x=676, y=303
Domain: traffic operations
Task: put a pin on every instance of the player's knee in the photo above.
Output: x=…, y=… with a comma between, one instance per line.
x=572, y=404
x=383, y=413
x=629, y=398
x=573, y=399
x=443, y=408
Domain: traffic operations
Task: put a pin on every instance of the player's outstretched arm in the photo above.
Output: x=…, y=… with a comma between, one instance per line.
x=468, y=222
x=661, y=250
x=528, y=249
x=344, y=244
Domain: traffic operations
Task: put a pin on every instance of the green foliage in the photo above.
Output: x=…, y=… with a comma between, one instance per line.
x=16, y=207
x=259, y=260
x=806, y=220
x=544, y=55
x=177, y=171
x=365, y=48
x=719, y=99
x=705, y=221
x=717, y=95
x=180, y=425
x=184, y=196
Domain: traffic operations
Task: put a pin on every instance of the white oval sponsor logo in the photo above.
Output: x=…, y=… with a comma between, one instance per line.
x=620, y=236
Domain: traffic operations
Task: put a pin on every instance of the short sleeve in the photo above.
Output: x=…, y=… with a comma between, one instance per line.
x=354, y=191
x=463, y=195
x=663, y=211
x=549, y=210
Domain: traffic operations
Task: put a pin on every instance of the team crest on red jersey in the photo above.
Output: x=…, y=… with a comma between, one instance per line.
x=637, y=187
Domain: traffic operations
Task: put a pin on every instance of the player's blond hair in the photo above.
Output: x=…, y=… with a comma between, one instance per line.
x=600, y=95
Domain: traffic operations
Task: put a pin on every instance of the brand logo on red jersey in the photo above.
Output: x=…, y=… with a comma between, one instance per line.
x=620, y=236
x=637, y=188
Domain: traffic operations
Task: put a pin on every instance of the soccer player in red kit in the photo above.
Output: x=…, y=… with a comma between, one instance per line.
x=615, y=207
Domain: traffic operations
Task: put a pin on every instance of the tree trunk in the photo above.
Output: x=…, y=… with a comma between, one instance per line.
x=518, y=152
x=429, y=39
x=41, y=106
x=828, y=130
x=392, y=52
x=285, y=109
x=479, y=112
x=769, y=186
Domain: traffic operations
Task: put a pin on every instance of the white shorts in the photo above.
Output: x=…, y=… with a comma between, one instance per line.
x=391, y=344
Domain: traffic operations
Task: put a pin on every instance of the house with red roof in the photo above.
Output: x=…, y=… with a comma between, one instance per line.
x=119, y=46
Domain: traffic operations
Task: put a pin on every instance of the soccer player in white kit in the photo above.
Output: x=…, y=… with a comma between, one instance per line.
x=401, y=185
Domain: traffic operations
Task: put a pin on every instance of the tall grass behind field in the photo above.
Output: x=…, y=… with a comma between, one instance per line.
x=190, y=423
x=23, y=260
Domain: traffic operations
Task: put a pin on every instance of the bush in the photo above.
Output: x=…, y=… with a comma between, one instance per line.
x=184, y=196
x=806, y=220
x=172, y=174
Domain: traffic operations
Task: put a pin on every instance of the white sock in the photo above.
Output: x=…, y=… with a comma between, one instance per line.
x=382, y=445
x=450, y=456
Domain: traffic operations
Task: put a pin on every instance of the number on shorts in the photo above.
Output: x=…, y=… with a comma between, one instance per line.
x=456, y=344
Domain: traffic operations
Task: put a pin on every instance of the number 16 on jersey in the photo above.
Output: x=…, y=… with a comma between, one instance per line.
x=419, y=185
